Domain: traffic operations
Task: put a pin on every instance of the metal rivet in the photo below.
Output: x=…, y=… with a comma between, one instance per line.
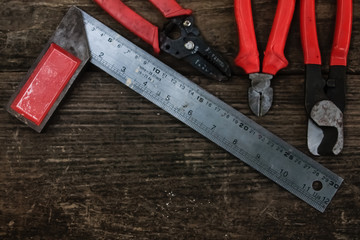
x=190, y=45
x=187, y=23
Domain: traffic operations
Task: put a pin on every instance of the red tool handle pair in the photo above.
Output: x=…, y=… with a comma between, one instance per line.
x=248, y=56
x=342, y=33
x=137, y=24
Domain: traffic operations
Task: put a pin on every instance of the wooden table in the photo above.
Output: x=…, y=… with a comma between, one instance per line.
x=111, y=165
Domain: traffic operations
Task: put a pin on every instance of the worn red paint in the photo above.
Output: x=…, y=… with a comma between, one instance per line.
x=45, y=84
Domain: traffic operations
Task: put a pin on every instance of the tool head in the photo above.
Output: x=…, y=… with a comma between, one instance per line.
x=325, y=129
x=181, y=39
x=260, y=93
x=325, y=103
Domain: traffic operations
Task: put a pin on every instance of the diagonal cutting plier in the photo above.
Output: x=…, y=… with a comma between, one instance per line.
x=179, y=37
x=325, y=99
x=260, y=94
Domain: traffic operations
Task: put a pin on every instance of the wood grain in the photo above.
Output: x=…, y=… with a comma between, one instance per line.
x=111, y=165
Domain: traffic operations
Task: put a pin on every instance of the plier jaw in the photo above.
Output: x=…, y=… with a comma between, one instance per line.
x=181, y=38
x=188, y=45
x=325, y=99
x=260, y=94
x=325, y=129
x=325, y=104
x=325, y=124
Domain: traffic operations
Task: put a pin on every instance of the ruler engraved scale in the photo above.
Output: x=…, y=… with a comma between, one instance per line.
x=209, y=116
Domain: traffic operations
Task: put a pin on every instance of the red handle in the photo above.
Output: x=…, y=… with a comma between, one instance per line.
x=342, y=34
x=309, y=39
x=248, y=56
x=274, y=58
x=45, y=84
x=170, y=8
x=132, y=21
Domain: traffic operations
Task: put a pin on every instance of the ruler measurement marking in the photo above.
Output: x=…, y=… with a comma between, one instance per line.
x=163, y=86
x=261, y=167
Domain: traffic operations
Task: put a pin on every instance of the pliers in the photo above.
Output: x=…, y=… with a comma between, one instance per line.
x=260, y=94
x=325, y=99
x=179, y=37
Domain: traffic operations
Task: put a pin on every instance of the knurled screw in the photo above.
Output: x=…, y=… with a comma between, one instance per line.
x=190, y=45
x=187, y=23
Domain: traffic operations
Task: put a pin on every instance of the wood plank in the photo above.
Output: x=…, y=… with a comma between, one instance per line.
x=111, y=165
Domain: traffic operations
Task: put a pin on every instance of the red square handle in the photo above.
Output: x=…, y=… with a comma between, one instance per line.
x=45, y=84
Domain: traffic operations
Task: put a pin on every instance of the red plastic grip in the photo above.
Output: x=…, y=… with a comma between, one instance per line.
x=170, y=8
x=274, y=58
x=248, y=56
x=45, y=84
x=342, y=35
x=309, y=39
x=132, y=21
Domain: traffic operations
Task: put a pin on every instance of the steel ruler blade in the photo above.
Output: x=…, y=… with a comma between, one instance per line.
x=210, y=116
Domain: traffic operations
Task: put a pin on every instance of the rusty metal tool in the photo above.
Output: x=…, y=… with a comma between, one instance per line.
x=260, y=94
x=180, y=37
x=325, y=99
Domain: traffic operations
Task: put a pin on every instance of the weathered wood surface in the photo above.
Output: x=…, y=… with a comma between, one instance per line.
x=111, y=165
